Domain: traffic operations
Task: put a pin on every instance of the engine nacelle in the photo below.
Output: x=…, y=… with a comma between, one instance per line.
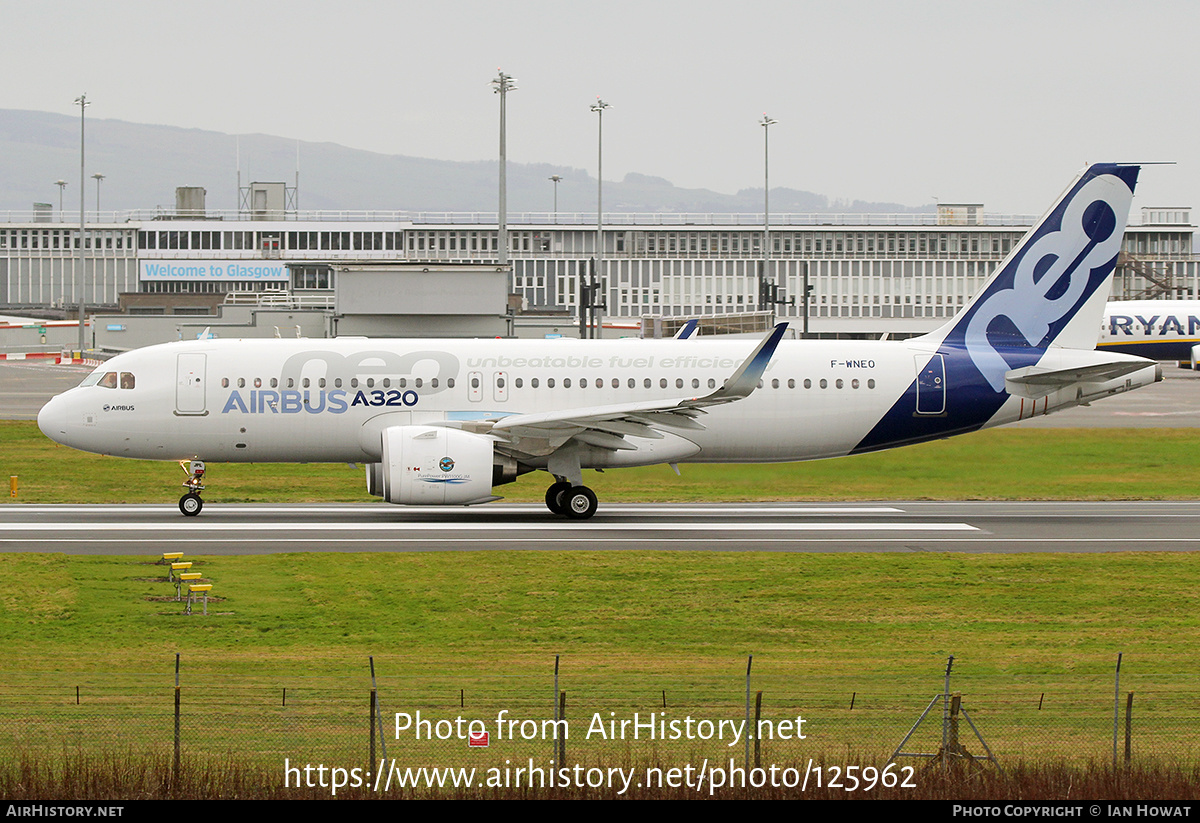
x=431, y=465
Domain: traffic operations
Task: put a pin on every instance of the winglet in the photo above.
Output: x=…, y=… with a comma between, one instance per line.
x=745, y=379
x=687, y=329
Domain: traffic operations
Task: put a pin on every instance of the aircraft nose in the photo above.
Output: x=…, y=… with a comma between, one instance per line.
x=52, y=419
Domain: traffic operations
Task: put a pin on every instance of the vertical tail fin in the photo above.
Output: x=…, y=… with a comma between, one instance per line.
x=1052, y=288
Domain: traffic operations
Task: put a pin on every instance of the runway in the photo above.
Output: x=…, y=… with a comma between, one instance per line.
x=1006, y=527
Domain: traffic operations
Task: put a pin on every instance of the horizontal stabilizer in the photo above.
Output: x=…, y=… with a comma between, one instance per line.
x=1036, y=381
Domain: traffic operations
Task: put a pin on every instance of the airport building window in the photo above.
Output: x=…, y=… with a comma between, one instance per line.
x=306, y=278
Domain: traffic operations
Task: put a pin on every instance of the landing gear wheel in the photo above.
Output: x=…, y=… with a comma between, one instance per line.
x=580, y=502
x=191, y=504
x=554, y=497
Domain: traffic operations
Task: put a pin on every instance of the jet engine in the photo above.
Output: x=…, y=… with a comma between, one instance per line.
x=430, y=465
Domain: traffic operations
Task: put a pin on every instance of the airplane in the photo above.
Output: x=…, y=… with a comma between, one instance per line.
x=445, y=422
x=1158, y=329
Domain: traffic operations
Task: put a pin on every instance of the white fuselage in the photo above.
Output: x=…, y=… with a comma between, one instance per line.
x=329, y=400
x=1159, y=329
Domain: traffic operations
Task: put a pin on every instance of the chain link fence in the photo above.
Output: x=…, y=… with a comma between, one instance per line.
x=611, y=712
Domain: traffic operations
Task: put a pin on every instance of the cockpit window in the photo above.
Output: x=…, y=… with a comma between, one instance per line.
x=109, y=379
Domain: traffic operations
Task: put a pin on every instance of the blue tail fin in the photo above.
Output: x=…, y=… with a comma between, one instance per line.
x=1052, y=288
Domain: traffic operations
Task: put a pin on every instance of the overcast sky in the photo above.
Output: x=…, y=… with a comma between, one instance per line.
x=992, y=102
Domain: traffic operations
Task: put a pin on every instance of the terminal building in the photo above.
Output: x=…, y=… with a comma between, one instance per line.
x=265, y=269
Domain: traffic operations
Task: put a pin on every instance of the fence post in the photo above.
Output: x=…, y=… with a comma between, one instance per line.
x=1128, y=729
x=554, y=743
x=378, y=713
x=946, y=709
x=175, y=770
x=1116, y=709
x=749, y=661
x=757, y=718
x=562, y=715
x=372, y=710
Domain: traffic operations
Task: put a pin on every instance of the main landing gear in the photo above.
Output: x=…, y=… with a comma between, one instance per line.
x=576, y=502
x=191, y=503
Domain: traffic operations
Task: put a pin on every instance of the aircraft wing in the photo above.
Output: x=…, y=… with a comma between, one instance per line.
x=608, y=426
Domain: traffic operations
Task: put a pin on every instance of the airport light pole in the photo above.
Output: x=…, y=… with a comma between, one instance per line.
x=62, y=184
x=502, y=85
x=97, y=177
x=592, y=303
x=555, y=178
x=764, y=290
x=81, y=281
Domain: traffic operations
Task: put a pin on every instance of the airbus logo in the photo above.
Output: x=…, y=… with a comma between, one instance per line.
x=117, y=408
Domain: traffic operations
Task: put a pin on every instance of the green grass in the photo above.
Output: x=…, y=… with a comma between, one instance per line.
x=485, y=627
x=1042, y=464
x=632, y=628
x=318, y=611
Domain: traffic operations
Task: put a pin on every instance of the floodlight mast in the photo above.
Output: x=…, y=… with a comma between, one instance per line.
x=765, y=281
x=555, y=178
x=502, y=85
x=81, y=281
x=588, y=296
x=97, y=177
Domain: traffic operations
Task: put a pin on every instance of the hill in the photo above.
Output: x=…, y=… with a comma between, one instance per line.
x=143, y=164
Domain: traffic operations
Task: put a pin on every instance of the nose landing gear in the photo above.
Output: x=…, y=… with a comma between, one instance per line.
x=191, y=503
